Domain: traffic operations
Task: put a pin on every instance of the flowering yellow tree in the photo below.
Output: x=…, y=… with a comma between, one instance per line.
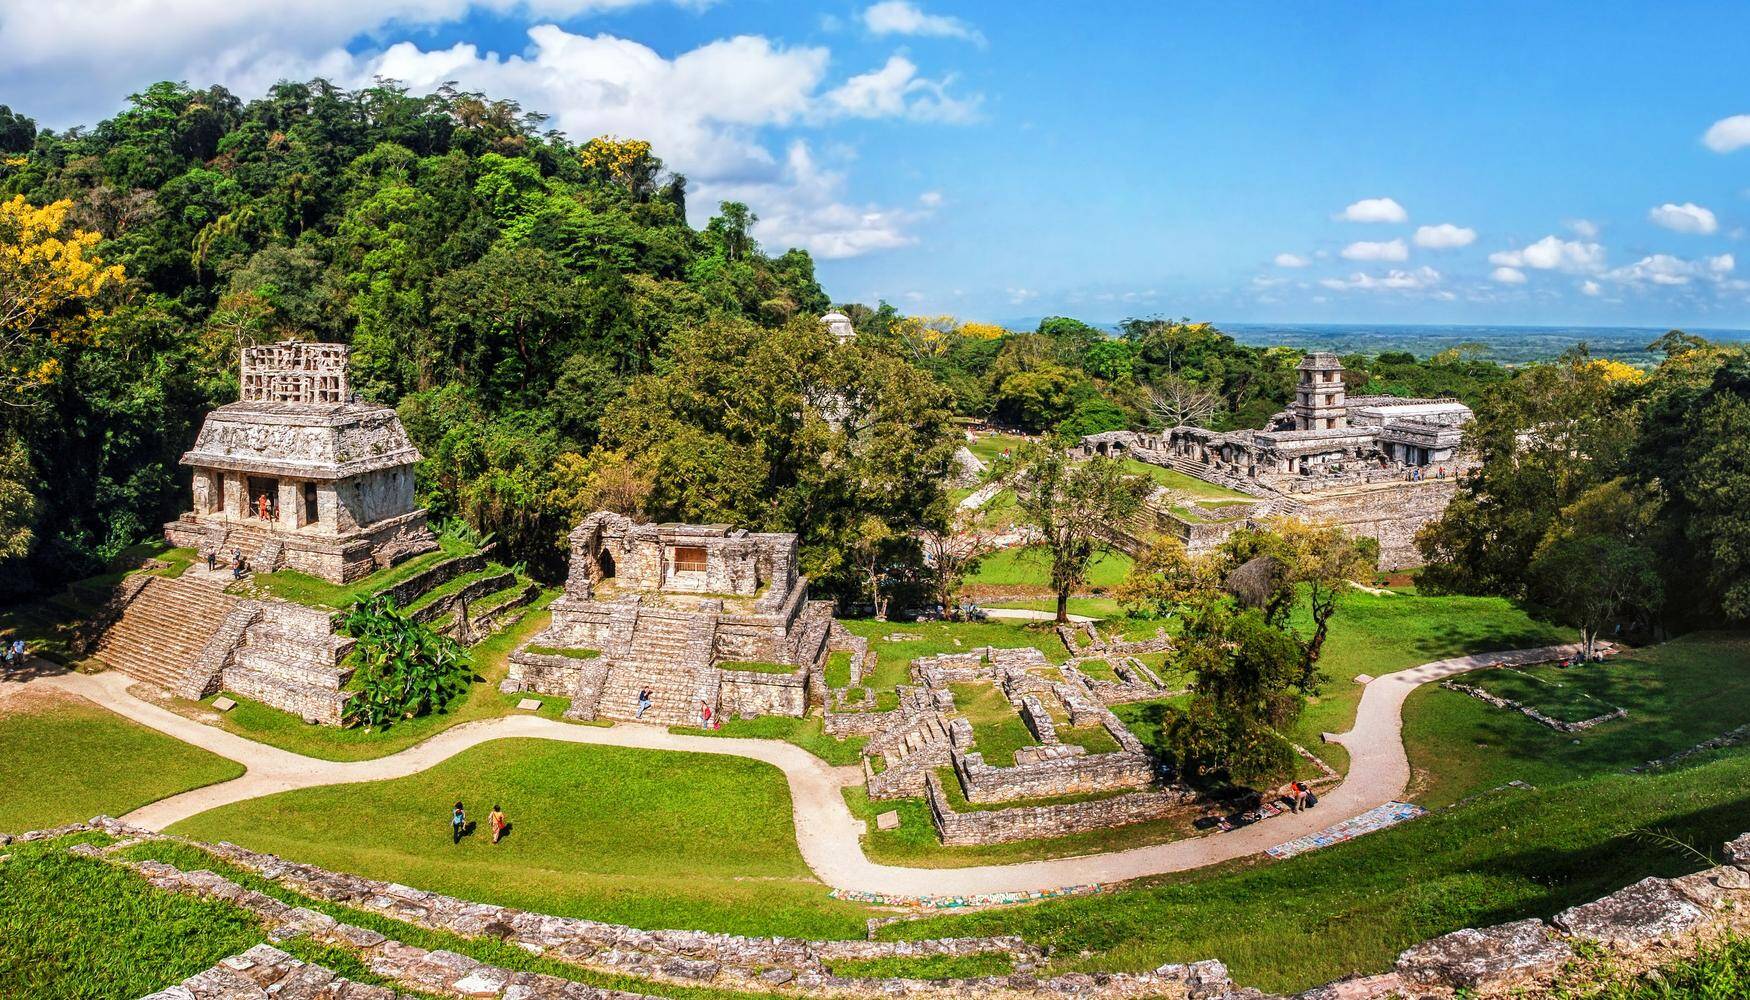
x=627, y=162
x=52, y=286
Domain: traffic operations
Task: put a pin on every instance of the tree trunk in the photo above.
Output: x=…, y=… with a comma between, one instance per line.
x=1063, y=607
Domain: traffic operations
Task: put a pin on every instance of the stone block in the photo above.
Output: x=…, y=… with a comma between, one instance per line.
x=223, y=703
x=1364, y=678
x=1359, y=988
x=887, y=821
x=1652, y=911
x=1738, y=851
x=1471, y=958
x=529, y=705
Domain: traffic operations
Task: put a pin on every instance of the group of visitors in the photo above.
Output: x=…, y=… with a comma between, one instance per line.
x=460, y=827
x=11, y=654
x=1299, y=795
x=1419, y=473
x=238, y=566
x=707, y=718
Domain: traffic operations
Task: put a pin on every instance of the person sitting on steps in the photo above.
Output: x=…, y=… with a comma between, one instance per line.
x=643, y=702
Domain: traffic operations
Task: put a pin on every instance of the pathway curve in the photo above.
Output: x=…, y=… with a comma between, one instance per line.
x=827, y=833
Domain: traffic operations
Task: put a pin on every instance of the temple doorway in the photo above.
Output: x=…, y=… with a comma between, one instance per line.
x=604, y=561
x=262, y=501
x=311, y=508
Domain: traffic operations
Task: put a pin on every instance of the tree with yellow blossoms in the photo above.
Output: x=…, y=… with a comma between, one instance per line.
x=52, y=289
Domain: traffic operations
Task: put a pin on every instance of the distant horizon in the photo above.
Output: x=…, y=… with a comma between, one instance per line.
x=1738, y=333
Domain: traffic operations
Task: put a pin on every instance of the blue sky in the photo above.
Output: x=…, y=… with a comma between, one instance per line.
x=1439, y=163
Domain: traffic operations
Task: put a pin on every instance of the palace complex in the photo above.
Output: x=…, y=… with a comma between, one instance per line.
x=1379, y=466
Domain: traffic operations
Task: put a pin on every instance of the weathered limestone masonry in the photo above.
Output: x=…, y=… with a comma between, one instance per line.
x=1379, y=466
x=1645, y=925
x=782, y=965
x=672, y=609
x=998, y=826
x=300, y=474
x=908, y=746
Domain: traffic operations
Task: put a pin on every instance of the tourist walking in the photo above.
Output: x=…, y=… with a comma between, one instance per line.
x=704, y=715
x=643, y=702
x=496, y=820
x=458, y=820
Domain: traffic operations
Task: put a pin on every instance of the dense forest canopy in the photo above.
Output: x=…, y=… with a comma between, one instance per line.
x=557, y=337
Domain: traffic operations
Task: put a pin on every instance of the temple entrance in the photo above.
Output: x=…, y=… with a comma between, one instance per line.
x=262, y=499
x=311, y=509
x=604, y=561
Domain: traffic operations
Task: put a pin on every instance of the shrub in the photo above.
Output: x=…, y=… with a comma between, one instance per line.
x=405, y=668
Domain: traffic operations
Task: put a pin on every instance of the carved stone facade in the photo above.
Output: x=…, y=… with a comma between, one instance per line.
x=672, y=609
x=298, y=474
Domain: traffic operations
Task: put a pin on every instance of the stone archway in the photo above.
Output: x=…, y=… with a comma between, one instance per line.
x=604, y=561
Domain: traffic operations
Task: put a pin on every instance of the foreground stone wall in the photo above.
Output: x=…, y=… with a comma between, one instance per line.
x=997, y=826
x=747, y=693
x=1391, y=512
x=1048, y=777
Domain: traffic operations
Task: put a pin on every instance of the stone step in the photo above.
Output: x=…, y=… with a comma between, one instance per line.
x=163, y=631
x=674, y=693
x=291, y=668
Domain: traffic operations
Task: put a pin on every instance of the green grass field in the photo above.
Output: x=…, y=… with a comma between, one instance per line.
x=1285, y=926
x=1677, y=694
x=1028, y=566
x=997, y=729
x=633, y=836
x=1558, y=693
x=63, y=759
x=1190, y=486
x=989, y=447
x=76, y=929
x=893, y=659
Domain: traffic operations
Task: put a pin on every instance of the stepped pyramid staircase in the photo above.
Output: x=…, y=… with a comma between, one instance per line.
x=163, y=634
x=668, y=653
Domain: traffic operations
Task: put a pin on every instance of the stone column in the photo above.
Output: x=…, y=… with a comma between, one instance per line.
x=291, y=505
x=233, y=491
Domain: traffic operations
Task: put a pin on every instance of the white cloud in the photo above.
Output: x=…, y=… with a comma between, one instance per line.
x=804, y=207
x=930, y=199
x=1728, y=134
x=1685, y=218
x=1019, y=296
x=1393, y=280
x=70, y=63
x=897, y=17
x=1291, y=260
x=1553, y=253
x=1374, y=210
x=1445, y=236
x=1390, y=250
x=897, y=91
x=1584, y=228
x=1664, y=269
x=1590, y=287
x=1507, y=276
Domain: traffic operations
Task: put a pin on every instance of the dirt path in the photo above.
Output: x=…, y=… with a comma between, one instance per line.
x=827, y=833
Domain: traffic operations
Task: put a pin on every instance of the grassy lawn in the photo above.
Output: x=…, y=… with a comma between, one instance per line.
x=1379, y=634
x=485, y=949
x=1677, y=694
x=482, y=700
x=808, y=733
x=73, y=928
x=893, y=659
x=1190, y=486
x=1284, y=926
x=63, y=759
x=1558, y=693
x=1027, y=566
x=633, y=836
x=997, y=729
x=291, y=585
x=989, y=447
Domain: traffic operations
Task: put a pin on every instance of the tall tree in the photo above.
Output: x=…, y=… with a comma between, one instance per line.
x=1076, y=507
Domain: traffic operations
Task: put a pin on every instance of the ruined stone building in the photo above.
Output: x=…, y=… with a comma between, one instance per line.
x=1380, y=466
x=300, y=474
x=699, y=615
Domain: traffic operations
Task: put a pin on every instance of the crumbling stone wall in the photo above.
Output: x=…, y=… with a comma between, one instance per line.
x=1391, y=513
x=1072, y=774
x=998, y=826
x=747, y=693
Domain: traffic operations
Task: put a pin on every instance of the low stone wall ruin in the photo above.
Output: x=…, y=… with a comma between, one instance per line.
x=998, y=826
x=747, y=693
x=1533, y=714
